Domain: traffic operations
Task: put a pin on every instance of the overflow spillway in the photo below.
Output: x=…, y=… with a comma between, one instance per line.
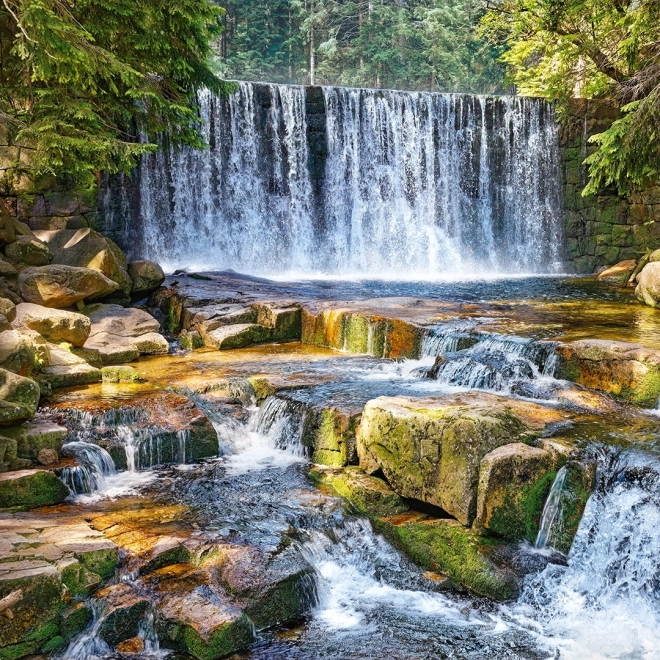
x=339, y=181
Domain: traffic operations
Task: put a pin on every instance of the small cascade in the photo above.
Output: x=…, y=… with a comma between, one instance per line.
x=89, y=645
x=128, y=430
x=94, y=465
x=491, y=362
x=147, y=631
x=182, y=439
x=282, y=421
x=551, y=509
x=356, y=182
x=605, y=603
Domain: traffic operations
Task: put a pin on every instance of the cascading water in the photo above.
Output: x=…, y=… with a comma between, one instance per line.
x=551, y=509
x=94, y=465
x=357, y=182
x=605, y=603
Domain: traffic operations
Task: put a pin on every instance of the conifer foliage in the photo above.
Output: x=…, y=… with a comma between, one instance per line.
x=87, y=85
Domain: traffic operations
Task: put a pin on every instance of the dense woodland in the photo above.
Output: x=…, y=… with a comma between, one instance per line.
x=88, y=85
x=402, y=44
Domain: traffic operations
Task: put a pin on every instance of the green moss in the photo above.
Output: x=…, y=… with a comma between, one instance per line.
x=233, y=636
x=119, y=374
x=102, y=562
x=446, y=546
x=41, y=488
x=262, y=387
x=646, y=390
x=75, y=620
x=366, y=494
x=54, y=645
x=519, y=516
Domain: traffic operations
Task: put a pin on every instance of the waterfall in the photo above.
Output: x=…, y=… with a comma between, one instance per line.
x=551, y=509
x=356, y=182
x=94, y=465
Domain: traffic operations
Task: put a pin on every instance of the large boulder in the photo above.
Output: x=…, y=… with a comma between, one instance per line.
x=19, y=397
x=66, y=369
x=28, y=250
x=648, y=284
x=63, y=286
x=54, y=324
x=629, y=372
x=514, y=481
x=146, y=277
x=431, y=449
x=122, y=335
x=87, y=248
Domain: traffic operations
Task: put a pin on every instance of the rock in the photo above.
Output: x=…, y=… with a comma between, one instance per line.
x=514, y=481
x=368, y=495
x=67, y=369
x=211, y=317
x=199, y=618
x=17, y=352
x=132, y=646
x=628, y=372
x=76, y=619
x=172, y=421
x=4, y=323
x=33, y=437
x=124, y=609
x=34, y=589
x=119, y=375
x=430, y=449
x=28, y=250
x=446, y=547
x=654, y=256
x=648, y=284
x=47, y=457
x=6, y=269
x=31, y=489
x=8, y=309
x=54, y=324
x=63, y=286
x=190, y=340
x=9, y=455
x=146, y=277
x=19, y=397
x=237, y=336
x=122, y=335
x=94, y=552
x=284, y=319
x=619, y=273
x=87, y=248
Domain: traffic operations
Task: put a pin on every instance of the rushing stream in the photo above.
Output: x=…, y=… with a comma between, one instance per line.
x=369, y=602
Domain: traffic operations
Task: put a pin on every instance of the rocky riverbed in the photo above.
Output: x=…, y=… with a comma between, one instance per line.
x=212, y=463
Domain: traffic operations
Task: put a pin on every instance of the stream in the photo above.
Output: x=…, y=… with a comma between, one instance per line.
x=367, y=600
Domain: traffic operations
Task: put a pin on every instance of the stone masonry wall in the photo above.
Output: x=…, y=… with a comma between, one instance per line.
x=43, y=204
x=601, y=229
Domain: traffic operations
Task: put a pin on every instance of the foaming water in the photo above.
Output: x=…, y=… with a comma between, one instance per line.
x=357, y=182
x=272, y=437
x=606, y=602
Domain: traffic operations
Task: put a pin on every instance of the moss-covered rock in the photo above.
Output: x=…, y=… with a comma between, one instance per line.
x=119, y=374
x=447, y=547
x=333, y=437
x=124, y=608
x=366, y=494
x=31, y=489
x=237, y=336
x=628, y=372
x=75, y=619
x=190, y=340
x=430, y=449
x=514, y=481
x=33, y=436
x=284, y=319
